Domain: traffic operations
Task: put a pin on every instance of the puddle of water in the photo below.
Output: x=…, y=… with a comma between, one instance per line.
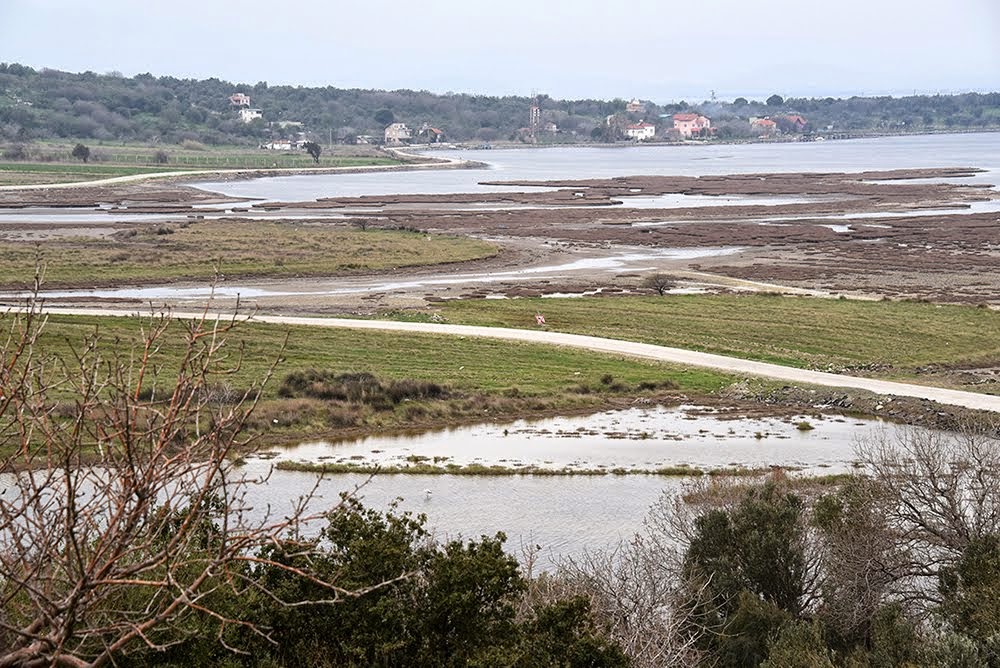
x=638, y=438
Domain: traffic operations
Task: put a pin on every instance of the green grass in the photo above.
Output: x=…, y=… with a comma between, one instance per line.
x=799, y=332
x=119, y=162
x=485, y=380
x=168, y=252
x=465, y=364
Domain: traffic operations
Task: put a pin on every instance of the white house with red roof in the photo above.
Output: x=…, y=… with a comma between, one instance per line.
x=690, y=125
x=640, y=131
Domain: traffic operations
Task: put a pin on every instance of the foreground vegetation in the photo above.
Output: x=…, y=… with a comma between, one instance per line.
x=156, y=558
x=159, y=557
x=903, y=340
x=154, y=253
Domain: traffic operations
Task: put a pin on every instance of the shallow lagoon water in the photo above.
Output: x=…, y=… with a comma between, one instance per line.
x=642, y=438
x=566, y=515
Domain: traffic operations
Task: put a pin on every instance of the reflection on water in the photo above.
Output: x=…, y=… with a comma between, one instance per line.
x=566, y=514
x=637, y=438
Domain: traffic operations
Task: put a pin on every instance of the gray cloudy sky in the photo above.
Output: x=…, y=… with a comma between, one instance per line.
x=662, y=51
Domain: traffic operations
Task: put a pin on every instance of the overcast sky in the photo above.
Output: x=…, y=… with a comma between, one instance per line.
x=663, y=51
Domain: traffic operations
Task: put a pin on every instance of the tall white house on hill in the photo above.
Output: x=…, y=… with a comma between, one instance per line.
x=250, y=115
x=239, y=100
x=640, y=131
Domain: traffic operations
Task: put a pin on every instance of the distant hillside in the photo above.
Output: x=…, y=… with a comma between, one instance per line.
x=49, y=104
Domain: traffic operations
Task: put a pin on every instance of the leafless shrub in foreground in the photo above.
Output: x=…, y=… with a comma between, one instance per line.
x=125, y=517
x=937, y=492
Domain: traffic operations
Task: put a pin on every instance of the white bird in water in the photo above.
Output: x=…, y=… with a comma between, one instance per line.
x=427, y=493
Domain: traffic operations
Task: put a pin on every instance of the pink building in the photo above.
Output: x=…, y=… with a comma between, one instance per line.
x=691, y=125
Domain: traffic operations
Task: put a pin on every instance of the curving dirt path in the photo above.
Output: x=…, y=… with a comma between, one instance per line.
x=627, y=348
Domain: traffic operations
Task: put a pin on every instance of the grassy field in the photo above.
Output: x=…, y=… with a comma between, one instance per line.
x=464, y=363
x=176, y=251
x=112, y=161
x=484, y=379
x=801, y=332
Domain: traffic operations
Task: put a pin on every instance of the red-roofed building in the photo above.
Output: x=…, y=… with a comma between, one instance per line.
x=239, y=100
x=794, y=122
x=765, y=126
x=692, y=125
x=640, y=131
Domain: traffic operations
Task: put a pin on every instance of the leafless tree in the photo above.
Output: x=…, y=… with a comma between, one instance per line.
x=634, y=597
x=937, y=491
x=122, y=512
x=659, y=282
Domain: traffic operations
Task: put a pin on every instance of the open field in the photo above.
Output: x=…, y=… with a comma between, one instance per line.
x=954, y=345
x=151, y=253
x=51, y=162
x=483, y=379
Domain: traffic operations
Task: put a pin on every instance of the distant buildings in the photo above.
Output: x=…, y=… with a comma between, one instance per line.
x=250, y=115
x=787, y=124
x=433, y=135
x=640, y=131
x=397, y=133
x=239, y=100
x=282, y=145
x=765, y=126
x=794, y=123
x=692, y=125
x=635, y=107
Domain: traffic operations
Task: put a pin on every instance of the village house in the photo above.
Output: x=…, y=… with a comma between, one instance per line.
x=795, y=122
x=433, y=135
x=281, y=145
x=250, y=115
x=692, y=125
x=397, y=133
x=635, y=107
x=765, y=126
x=239, y=100
x=640, y=131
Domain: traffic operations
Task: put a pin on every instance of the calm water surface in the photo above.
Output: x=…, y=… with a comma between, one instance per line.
x=963, y=150
x=566, y=514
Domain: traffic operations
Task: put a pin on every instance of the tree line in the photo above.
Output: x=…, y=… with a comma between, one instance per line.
x=47, y=104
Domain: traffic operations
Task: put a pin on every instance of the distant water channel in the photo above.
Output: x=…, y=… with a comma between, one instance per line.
x=568, y=514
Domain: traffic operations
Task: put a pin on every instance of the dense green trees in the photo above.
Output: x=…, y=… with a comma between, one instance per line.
x=51, y=104
x=419, y=603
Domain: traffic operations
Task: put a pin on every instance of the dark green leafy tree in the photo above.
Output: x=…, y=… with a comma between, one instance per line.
x=746, y=567
x=775, y=101
x=81, y=152
x=385, y=117
x=313, y=149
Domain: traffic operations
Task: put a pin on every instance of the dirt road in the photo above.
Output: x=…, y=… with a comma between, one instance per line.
x=628, y=349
